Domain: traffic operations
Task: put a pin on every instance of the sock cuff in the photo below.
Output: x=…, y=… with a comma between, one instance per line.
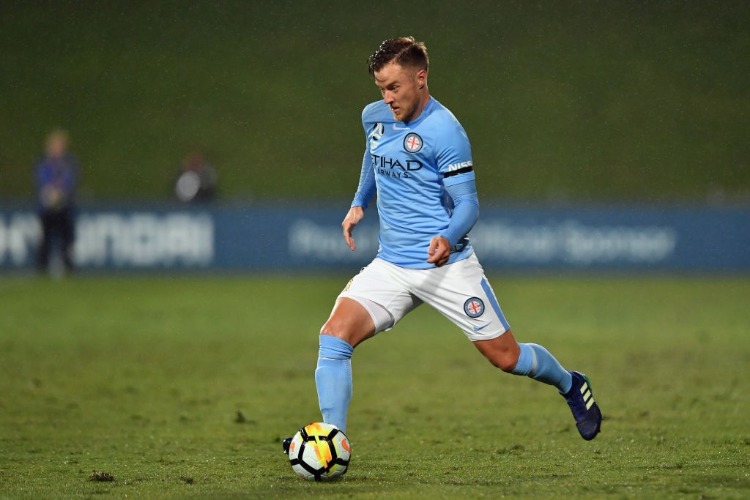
x=527, y=361
x=334, y=348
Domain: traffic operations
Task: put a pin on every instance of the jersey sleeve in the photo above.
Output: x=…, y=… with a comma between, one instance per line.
x=453, y=154
x=465, y=211
x=366, y=187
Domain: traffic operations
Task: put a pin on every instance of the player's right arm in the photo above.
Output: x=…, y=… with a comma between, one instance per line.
x=365, y=192
x=366, y=187
x=354, y=215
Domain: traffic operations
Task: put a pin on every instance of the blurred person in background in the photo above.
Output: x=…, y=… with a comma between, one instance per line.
x=56, y=181
x=196, y=180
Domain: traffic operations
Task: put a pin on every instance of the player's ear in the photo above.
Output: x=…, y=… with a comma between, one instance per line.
x=421, y=78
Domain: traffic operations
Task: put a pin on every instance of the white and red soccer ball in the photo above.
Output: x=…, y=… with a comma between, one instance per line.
x=320, y=452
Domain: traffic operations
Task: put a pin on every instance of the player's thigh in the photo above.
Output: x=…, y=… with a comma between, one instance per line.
x=381, y=289
x=461, y=292
x=349, y=321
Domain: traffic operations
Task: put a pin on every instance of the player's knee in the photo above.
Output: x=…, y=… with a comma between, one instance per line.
x=351, y=332
x=349, y=321
x=505, y=364
x=337, y=328
x=505, y=360
x=502, y=352
x=332, y=328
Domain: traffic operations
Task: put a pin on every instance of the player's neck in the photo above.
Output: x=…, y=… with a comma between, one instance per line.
x=423, y=102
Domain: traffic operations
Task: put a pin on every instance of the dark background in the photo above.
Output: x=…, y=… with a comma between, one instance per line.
x=578, y=100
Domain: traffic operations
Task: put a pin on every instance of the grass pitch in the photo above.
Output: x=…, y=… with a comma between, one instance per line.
x=175, y=387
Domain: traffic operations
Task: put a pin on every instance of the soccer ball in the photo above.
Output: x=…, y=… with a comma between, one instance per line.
x=320, y=452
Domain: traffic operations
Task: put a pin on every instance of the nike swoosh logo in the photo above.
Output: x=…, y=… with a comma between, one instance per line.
x=477, y=328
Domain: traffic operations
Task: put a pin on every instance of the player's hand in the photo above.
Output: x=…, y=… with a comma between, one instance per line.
x=354, y=215
x=439, y=251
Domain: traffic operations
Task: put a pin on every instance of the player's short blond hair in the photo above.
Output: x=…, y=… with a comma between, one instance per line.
x=405, y=51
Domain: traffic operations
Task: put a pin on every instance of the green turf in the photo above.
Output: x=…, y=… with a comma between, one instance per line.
x=143, y=378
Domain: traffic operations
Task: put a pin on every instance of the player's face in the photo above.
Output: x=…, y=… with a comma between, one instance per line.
x=403, y=89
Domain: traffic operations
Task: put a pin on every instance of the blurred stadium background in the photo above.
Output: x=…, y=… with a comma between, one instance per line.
x=568, y=104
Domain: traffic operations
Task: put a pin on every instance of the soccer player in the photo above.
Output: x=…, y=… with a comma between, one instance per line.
x=418, y=160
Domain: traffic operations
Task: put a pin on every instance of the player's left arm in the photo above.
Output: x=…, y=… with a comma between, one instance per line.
x=455, y=164
x=465, y=215
x=465, y=211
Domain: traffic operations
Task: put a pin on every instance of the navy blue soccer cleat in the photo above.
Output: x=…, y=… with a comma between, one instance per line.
x=586, y=412
x=285, y=445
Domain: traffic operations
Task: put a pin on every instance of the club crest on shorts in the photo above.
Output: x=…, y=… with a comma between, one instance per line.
x=412, y=142
x=474, y=307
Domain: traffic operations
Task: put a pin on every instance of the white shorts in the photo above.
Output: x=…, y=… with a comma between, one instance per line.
x=459, y=291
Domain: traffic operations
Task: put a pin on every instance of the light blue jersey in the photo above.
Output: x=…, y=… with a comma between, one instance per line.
x=411, y=165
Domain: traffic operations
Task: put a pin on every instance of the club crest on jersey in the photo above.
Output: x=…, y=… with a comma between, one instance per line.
x=412, y=142
x=474, y=307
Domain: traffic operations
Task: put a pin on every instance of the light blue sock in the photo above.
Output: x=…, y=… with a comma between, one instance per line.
x=333, y=379
x=536, y=362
